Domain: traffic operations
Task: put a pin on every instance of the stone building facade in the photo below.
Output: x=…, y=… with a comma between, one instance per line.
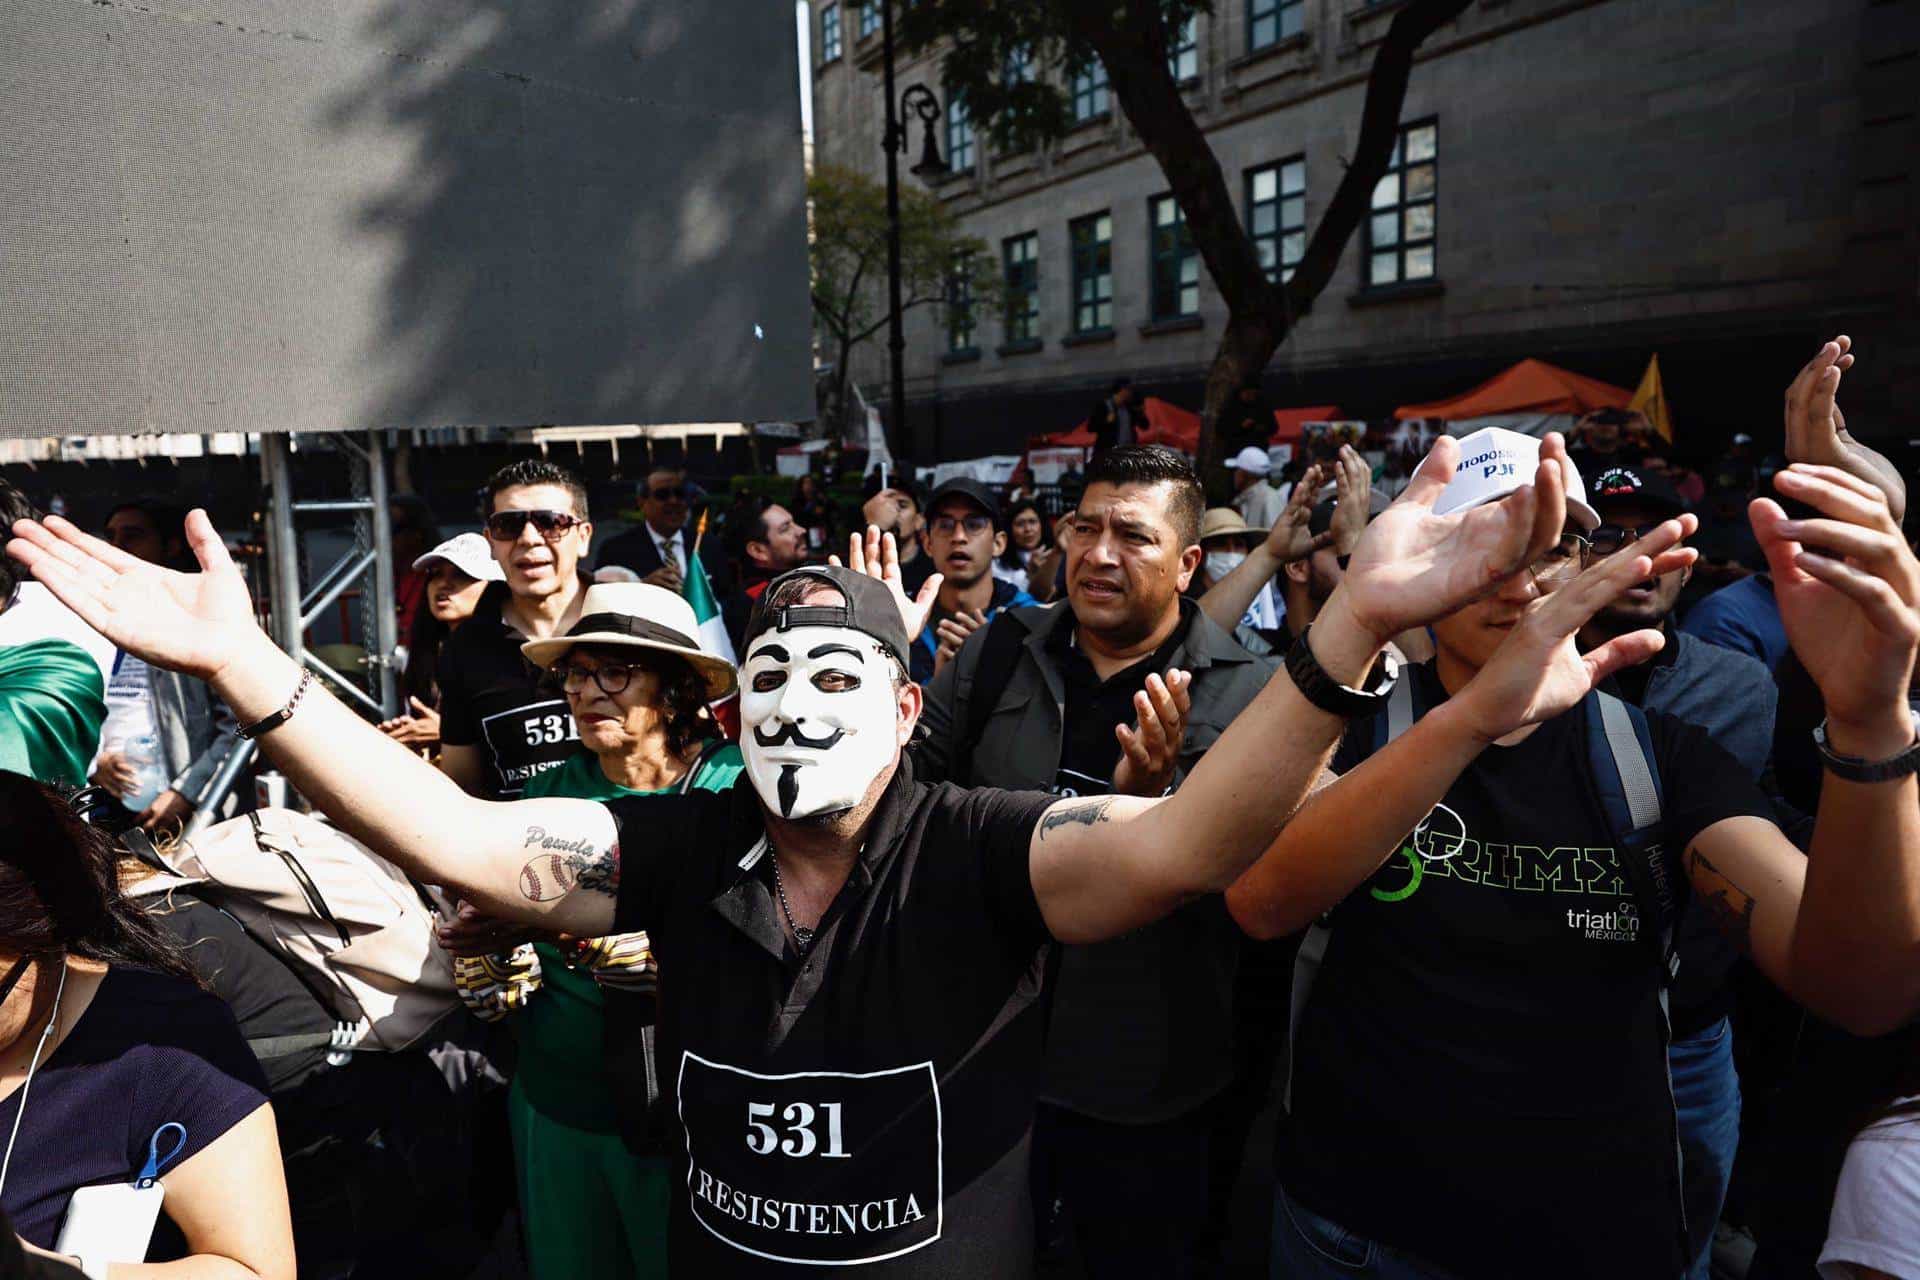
x=1588, y=181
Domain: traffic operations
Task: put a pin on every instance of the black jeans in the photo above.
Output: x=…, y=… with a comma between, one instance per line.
x=1135, y=1194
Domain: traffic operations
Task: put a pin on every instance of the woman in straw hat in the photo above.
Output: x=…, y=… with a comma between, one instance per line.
x=638, y=684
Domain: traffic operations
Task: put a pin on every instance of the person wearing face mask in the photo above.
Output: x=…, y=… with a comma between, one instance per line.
x=1225, y=540
x=500, y=726
x=455, y=573
x=853, y=954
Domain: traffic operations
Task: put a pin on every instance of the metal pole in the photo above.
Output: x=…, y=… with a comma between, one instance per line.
x=896, y=331
x=386, y=626
x=283, y=556
x=206, y=805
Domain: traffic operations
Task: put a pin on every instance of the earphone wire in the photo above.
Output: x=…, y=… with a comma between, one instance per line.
x=33, y=1064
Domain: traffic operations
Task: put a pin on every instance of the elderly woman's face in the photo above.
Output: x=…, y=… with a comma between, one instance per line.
x=615, y=699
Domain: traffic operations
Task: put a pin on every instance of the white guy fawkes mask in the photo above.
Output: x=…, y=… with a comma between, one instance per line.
x=817, y=718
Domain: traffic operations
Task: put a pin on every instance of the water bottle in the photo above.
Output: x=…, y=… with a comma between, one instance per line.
x=142, y=751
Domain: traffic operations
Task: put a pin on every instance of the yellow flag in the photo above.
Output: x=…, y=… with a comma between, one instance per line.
x=1651, y=400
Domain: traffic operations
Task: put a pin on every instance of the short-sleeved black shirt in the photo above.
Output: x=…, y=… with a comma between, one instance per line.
x=871, y=1103
x=1480, y=1072
x=493, y=698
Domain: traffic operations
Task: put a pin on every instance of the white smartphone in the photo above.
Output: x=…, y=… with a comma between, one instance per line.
x=113, y=1223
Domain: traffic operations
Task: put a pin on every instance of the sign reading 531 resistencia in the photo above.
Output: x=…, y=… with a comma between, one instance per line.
x=815, y=1167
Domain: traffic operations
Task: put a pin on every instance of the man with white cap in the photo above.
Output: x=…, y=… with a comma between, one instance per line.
x=855, y=1031
x=1258, y=502
x=1482, y=1023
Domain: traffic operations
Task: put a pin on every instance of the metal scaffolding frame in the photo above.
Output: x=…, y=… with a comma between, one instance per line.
x=369, y=561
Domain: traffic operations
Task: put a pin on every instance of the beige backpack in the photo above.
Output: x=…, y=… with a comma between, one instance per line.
x=355, y=929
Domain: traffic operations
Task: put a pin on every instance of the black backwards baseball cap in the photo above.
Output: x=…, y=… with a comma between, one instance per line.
x=970, y=489
x=869, y=609
x=1630, y=484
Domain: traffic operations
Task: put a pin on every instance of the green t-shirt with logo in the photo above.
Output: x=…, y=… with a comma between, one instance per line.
x=560, y=1071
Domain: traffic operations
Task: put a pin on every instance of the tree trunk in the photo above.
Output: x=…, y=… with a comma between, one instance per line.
x=1132, y=45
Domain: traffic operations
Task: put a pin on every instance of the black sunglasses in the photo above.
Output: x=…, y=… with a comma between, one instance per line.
x=667, y=493
x=1609, y=538
x=507, y=526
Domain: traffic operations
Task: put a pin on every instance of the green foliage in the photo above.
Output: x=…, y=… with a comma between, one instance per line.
x=981, y=39
x=848, y=256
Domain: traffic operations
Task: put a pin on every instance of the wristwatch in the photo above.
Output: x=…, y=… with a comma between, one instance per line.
x=1855, y=769
x=1328, y=694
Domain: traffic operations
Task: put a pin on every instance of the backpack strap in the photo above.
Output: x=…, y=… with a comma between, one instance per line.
x=713, y=748
x=1401, y=713
x=1620, y=749
x=999, y=654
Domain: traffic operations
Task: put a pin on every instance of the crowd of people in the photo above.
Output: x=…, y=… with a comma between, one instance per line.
x=964, y=918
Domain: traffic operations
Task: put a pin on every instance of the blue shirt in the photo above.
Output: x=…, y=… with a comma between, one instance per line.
x=1743, y=617
x=927, y=648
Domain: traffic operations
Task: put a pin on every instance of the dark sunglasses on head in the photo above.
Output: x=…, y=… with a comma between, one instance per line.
x=1609, y=538
x=667, y=493
x=507, y=526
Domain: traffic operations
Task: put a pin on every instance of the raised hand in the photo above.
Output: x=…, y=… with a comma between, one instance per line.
x=1290, y=539
x=877, y=556
x=1354, y=482
x=953, y=632
x=1817, y=430
x=1150, y=750
x=1849, y=593
x=1538, y=671
x=196, y=623
x=1412, y=566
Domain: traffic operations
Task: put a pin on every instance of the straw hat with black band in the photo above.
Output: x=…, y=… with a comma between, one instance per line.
x=634, y=615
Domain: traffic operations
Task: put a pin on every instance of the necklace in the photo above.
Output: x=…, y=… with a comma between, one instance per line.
x=802, y=935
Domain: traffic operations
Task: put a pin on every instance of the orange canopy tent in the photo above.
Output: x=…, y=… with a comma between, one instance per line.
x=1177, y=428
x=1530, y=387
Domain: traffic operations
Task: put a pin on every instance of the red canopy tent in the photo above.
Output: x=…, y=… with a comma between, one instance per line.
x=1178, y=428
x=1530, y=387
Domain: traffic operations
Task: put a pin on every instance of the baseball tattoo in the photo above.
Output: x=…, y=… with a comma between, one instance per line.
x=563, y=865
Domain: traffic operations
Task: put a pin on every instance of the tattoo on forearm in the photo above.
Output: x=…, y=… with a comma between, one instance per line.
x=1086, y=814
x=1730, y=906
x=563, y=865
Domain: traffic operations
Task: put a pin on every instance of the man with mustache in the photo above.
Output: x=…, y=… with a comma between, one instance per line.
x=499, y=724
x=855, y=1033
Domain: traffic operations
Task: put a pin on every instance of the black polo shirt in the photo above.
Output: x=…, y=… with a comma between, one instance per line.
x=869, y=1104
x=1089, y=751
x=493, y=698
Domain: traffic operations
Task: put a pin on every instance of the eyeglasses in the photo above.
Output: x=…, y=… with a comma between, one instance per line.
x=668, y=493
x=1609, y=538
x=974, y=525
x=1561, y=563
x=507, y=526
x=612, y=677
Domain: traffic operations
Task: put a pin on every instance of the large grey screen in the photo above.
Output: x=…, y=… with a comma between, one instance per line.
x=247, y=215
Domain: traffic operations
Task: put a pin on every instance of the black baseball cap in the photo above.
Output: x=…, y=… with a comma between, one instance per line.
x=1322, y=518
x=1630, y=484
x=973, y=491
x=869, y=609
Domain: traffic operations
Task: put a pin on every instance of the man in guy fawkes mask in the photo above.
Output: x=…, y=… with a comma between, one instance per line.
x=821, y=693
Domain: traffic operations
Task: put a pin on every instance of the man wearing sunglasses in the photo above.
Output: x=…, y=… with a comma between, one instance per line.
x=1732, y=697
x=659, y=548
x=964, y=536
x=499, y=726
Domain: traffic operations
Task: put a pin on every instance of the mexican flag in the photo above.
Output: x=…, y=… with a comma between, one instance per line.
x=713, y=635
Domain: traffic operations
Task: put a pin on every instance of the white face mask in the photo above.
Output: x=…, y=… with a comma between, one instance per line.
x=1222, y=563
x=817, y=718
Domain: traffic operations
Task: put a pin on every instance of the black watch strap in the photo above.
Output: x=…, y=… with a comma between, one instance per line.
x=1328, y=694
x=1856, y=769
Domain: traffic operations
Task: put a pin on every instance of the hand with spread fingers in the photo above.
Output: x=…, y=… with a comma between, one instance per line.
x=1817, y=430
x=1538, y=671
x=1290, y=538
x=1150, y=750
x=195, y=623
x=876, y=555
x=1849, y=593
x=1412, y=566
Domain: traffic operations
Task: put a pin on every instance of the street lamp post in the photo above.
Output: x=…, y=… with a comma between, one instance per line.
x=917, y=100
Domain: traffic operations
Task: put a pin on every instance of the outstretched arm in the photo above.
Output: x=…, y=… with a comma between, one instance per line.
x=1227, y=601
x=553, y=863
x=1817, y=430
x=1106, y=865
